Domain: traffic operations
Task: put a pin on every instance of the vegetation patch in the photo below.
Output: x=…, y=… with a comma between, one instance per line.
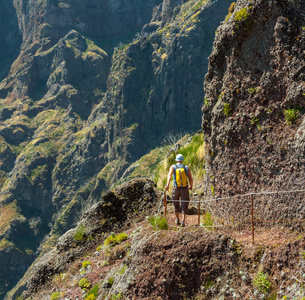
x=84, y=283
x=93, y=293
x=291, y=115
x=193, y=152
x=112, y=240
x=55, y=296
x=118, y=296
x=207, y=220
x=227, y=109
x=4, y=243
x=261, y=282
x=255, y=121
x=158, y=222
x=85, y=264
x=8, y=214
x=79, y=233
x=242, y=15
x=36, y=172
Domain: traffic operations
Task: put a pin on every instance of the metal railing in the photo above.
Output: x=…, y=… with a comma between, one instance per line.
x=253, y=209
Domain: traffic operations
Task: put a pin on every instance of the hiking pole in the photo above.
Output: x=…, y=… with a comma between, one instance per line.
x=252, y=213
x=164, y=204
x=198, y=213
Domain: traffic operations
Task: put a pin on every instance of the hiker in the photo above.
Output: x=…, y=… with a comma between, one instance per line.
x=180, y=187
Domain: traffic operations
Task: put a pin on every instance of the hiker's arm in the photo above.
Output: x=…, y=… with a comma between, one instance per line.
x=169, y=177
x=189, y=175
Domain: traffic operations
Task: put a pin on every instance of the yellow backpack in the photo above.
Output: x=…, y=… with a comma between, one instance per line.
x=181, y=178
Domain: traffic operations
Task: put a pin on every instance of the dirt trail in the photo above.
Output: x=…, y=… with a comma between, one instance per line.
x=268, y=237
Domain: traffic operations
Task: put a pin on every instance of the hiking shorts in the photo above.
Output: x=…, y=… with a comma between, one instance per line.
x=183, y=193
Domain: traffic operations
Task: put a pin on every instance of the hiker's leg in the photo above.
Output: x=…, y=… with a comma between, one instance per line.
x=185, y=198
x=175, y=199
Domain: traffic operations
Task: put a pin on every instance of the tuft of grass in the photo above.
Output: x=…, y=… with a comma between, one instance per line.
x=207, y=102
x=79, y=233
x=252, y=90
x=228, y=17
x=121, y=237
x=227, y=109
x=213, y=190
x=110, y=281
x=55, y=296
x=242, y=15
x=112, y=240
x=291, y=115
x=255, y=121
x=207, y=219
x=90, y=297
x=261, y=282
x=158, y=222
x=84, y=283
x=93, y=293
x=119, y=296
x=86, y=263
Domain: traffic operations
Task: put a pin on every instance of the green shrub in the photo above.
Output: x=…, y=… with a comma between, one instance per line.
x=261, y=282
x=255, y=121
x=252, y=90
x=213, y=190
x=158, y=222
x=291, y=115
x=92, y=294
x=242, y=15
x=112, y=240
x=86, y=263
x=228, y=17
x=227, y=109
x=207, y=219
x=121, y=238
x=55, y=296
x=119, y=296
x=110, y=280
x=84, y=283
x=79, y=233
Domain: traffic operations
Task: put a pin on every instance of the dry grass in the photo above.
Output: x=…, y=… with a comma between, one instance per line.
x=8, y=213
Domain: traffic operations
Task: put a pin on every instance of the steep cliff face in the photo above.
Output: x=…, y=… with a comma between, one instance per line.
x=254, y=106
x=10, y=36
x=73, y=118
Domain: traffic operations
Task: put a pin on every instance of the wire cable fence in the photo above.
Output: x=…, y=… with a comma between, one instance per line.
x=253, y=210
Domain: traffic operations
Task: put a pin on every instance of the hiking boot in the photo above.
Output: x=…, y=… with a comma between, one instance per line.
x=177, y=222
x=182, y=224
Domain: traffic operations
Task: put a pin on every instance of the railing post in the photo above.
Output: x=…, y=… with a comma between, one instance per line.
x=164, y=204
x=198, y=213
x=252, y=213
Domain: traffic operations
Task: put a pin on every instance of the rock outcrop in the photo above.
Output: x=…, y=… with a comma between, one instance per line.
x=254, y=102
x=129, y=203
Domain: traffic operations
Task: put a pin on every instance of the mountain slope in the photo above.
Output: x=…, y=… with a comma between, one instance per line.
x=74, y=117
x=114, y=253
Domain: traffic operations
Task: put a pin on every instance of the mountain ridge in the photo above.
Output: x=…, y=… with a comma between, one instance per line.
x=69, y=111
